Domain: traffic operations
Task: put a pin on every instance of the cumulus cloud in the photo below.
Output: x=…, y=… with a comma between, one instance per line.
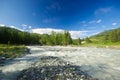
x=25, y=27
x=45, y=30
x=98, y=21
x=114, y=24
x=2, y=25
x=74, y=34
x=78, y=34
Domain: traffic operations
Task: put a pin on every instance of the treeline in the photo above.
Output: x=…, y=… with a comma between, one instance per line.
x=112, y=35
x=13, y=36
x=108, y=36
x=56, y=39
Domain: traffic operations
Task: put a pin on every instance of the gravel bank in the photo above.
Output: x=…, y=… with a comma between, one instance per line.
x=53, y=68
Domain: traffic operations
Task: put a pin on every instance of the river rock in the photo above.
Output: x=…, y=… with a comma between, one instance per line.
x=54, y=68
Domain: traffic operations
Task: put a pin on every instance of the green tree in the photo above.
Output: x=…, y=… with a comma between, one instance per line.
x=105, y=39
x=53, y=38
x=87, y=40
x=59, y=38
x=79, y=41
x=113, y=36
x=67, y=38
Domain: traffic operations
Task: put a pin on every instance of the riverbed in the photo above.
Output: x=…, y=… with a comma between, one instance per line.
x=100, y=63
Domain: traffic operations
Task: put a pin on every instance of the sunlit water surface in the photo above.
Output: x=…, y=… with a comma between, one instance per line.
x=100, y=63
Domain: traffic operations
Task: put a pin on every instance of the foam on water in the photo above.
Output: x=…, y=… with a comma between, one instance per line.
x=103, y=64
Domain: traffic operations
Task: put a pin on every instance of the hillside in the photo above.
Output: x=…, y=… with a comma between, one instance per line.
x=107, y=37
x=13, y=36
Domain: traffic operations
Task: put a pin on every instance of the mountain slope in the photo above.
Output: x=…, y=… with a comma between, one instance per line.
x=107, y=36
x=14, y=36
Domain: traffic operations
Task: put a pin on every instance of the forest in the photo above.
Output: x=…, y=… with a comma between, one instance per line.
x=107, y=37
x=16, y=37
x=13, y=36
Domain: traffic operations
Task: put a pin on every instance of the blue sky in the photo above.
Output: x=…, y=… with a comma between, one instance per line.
x=81, y=17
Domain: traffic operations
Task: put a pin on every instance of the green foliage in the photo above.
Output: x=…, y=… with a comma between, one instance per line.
x=66, y=38
x=87, y=40
x=14, y=36
x=107, y=37
x=77, y=41
x=10, y=52
x=56, y=39
x=53, y=38
x=45, y=40
x=59, y=38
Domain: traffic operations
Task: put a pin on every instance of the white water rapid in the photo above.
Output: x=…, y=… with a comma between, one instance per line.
x=100, y=63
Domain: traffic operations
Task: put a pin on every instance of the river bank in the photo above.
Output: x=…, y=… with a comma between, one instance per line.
x=9, y=52
x=109, y=46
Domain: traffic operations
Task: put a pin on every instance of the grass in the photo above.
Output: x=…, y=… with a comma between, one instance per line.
x=12, y=51
x=115, y=45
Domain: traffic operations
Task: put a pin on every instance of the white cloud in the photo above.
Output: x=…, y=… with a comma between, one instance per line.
x=45, y=30
x=29, y=27
x=24, y=25
x=74, y=34
x=78, y=34
x=114, y=24
x=95, y=21
x=2, y=25
x=99, y=21
x=16, y=28
x=103, y=10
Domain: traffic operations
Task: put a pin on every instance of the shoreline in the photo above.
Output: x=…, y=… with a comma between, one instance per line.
x=89, y=46
x=10, y=53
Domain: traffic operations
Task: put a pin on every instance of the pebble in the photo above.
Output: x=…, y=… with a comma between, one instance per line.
x=57, y=70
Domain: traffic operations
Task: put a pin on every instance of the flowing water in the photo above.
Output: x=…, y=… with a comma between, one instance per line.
x=100, y=63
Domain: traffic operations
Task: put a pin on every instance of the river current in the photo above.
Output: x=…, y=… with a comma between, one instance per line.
x=101, y=63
